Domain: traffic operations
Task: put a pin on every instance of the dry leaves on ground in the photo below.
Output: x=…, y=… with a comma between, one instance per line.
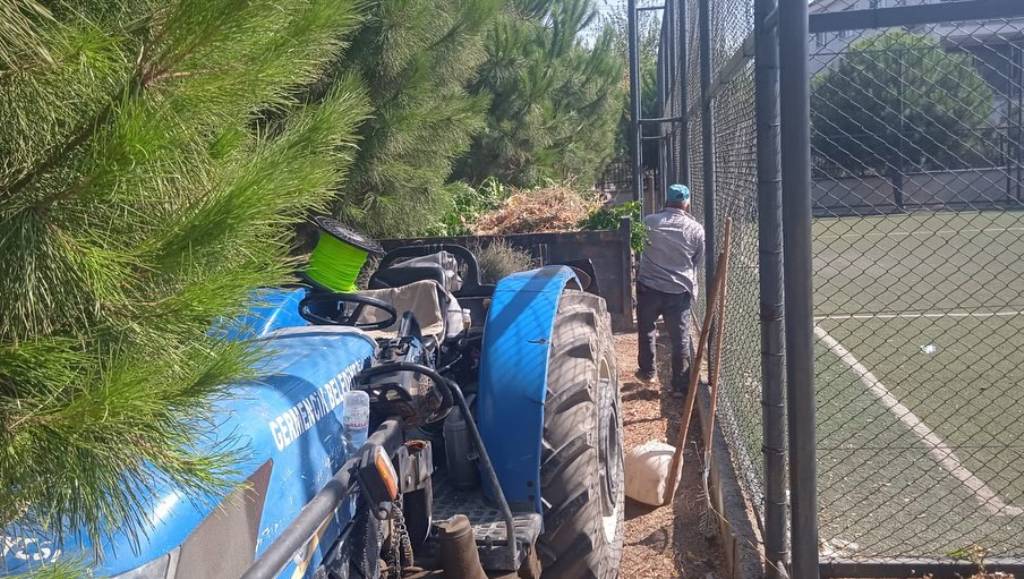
x=665, y=542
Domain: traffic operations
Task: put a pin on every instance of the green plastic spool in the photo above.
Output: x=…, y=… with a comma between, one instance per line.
x=339, y=256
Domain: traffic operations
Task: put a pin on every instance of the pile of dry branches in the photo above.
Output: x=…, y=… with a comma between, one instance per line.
x=552, y=208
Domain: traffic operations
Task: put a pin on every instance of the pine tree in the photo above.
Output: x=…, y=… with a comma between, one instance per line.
x=153, y=160
x=649, y=30
x=555, y=100
x=415, y=57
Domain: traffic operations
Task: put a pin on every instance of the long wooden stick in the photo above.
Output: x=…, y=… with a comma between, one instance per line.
x=691, y=394
x=716, y=353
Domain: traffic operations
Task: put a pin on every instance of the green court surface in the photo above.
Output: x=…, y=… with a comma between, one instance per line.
x=920, y=380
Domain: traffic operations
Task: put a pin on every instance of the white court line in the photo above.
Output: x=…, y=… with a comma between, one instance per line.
x=911, y=315
x=911, y=233
x=937, y=448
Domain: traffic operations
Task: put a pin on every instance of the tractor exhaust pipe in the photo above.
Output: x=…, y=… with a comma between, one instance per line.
x=459, y=557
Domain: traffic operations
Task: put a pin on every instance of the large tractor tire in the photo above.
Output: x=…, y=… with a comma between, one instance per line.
x=581, y=471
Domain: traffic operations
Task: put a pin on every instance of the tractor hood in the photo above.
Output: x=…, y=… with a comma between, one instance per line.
x=286, y=421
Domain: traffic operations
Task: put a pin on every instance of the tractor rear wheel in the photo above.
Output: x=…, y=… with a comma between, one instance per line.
x=581, y=471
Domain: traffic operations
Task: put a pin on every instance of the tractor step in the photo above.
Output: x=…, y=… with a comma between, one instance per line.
x=488, y=524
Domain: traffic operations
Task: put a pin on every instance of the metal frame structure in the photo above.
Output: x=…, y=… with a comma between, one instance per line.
x=634, y=101
x=707, y=136
x=670, y=52
x=770, y=276
x=914, y=15
x=778, y=46
x=795, y=135
x=916, y=567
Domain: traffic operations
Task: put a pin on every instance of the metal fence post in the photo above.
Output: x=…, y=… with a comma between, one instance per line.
x=794, y=97
x=769, y=241
x=628, y=299
x=707, y=142
x=662, y=136
x=684, y=93
x=669, y=104
x=634, y=99
x=1013, y=121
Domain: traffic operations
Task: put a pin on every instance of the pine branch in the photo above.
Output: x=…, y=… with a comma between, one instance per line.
x=133, y=229
x=86, y=131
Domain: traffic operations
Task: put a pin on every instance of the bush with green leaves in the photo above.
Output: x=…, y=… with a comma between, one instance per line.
x=153, y=161
x=899, y=100
x=609, y=217
x=467, y=204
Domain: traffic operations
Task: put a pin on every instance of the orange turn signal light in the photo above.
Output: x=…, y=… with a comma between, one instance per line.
x=386, y=472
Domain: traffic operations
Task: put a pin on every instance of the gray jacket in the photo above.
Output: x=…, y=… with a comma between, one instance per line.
x=674, y=251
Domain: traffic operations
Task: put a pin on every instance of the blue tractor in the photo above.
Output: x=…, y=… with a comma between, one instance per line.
x=494, y=433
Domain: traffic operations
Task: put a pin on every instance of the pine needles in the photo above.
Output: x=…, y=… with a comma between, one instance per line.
x=154, y=160
x=415, y=57
x=554, y=101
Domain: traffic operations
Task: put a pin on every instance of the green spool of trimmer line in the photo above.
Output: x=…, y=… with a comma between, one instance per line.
x=339, y=256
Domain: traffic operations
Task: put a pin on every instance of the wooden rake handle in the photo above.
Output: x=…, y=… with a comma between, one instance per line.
x=715, y=366
x=716, y=290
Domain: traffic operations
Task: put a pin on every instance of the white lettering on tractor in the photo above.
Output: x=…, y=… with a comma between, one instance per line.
x=297, y=420
x=28, y=549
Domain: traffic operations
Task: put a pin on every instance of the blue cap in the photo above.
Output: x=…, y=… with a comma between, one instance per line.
x=677, y=193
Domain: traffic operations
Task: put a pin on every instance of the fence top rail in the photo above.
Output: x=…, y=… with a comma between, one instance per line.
x=960, y=11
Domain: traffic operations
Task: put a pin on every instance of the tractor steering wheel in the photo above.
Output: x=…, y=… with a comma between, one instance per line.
x=329, y=309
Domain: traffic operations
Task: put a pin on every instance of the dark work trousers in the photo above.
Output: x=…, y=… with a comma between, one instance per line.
x=675, y=310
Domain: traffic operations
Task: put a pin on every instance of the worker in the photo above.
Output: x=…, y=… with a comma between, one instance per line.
x=667, y=285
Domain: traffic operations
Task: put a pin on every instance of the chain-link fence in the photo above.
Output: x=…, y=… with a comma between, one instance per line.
x=723, y=180
x=919, y=289
x=917, y=195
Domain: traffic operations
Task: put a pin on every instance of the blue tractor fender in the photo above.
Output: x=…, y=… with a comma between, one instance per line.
x=513, y=378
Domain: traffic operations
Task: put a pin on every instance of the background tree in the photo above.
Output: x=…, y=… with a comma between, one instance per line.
x=555, y=100
x=416, y=58
x=649, y=27
x=897, y=101
x=152, y=162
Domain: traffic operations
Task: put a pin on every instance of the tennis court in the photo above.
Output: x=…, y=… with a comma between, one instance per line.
x=920, y=377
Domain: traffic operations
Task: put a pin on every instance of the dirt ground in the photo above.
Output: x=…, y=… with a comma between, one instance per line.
x=668, y=541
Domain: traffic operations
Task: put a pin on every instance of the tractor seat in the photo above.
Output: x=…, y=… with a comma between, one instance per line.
x=441, y=267
x=426, y=299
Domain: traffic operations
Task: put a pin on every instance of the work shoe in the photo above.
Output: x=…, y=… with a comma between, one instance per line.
x=681, y=385
x=647, y=377
x=680, y=390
